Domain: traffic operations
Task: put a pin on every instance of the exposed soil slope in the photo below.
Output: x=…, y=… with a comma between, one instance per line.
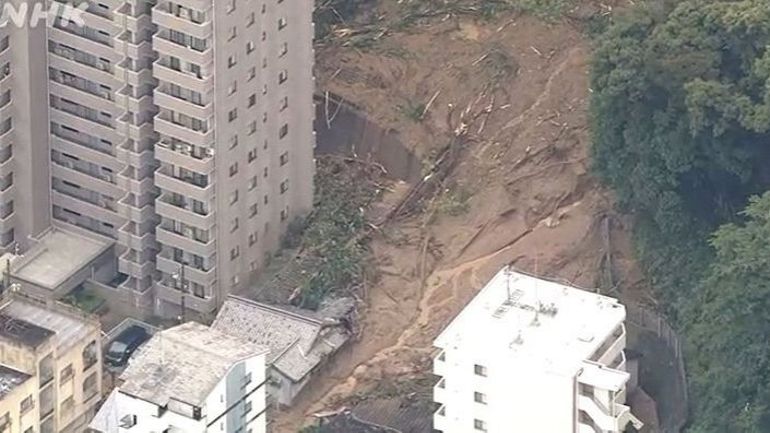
x=525, y=170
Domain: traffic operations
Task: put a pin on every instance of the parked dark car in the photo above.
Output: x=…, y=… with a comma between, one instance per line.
x=124, y=345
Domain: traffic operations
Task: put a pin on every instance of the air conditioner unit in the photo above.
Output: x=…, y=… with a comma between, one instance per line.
x=210, y=152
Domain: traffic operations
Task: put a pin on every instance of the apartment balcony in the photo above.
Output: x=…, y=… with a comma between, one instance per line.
x=7, y=166
x=135, y=23
x=165, y=207
x=439, y=391
x=82, y=43
x=7, y=221
x=165, y=153
x=188, y=80
x=191, y=302
x=133, y=76
x=189, y=54
x=125, y=126
x=128, y=154
x=198, y=111
x=103, y=102
x=84, y=207
x=86, y=152
x=96, y=17
x=137, y=214
x=6, y=138
x=5, y=77
x=5, y=55
x=98, y=73
x=130, y=236
x=172, y=184
x=182, y=24
x=440, y=367
x=167, y=237
x=171, y=129
x=611, y=347
x=94, y=182
x=200, y=5
x=7, y=190
x=130, y=183
x=129, y=264
x=198, y=276
x=82, y=124
x=440, y=421
x=614, y=418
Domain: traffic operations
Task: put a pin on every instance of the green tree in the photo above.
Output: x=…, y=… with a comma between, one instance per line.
x=730, y=331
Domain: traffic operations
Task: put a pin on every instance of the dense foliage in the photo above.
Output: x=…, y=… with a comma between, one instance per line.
x=681, y=121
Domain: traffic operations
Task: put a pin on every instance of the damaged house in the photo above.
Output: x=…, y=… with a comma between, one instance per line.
x=300, y=341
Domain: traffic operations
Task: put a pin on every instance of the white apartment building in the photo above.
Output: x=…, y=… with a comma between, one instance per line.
x=189, y=379
x=180, y=130
x=529, y=355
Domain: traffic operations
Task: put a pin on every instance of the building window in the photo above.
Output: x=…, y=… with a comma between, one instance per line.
x=66, y=374
x=284, y=49
x=252, y=127
x=250, y=47
x=284, y=103
x=283, y=76
x=284, y=131
x=247, y=407
x=252, y=182
x=232, y=88
x=235, y=252
x=247, y=379
x=284, y=214
x=233, y=141
x=479, y=425
x=26, y=405
x=252, y=155
x=234, y=225
x=284, y=158
x=266, y=200
x=252, y=100
x=234, y=169
x=253, y=240
x=282, y=23
x=230, y=7
x=232, y=115
x=251, y=74
x=232, y=61
x=251, y=19
x=253, y=209
x=480, y=398
x=480, y=370
x=232, y=34
x=234, y=197
x=284, y=186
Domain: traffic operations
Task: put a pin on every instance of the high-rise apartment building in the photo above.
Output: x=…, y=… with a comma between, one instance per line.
x=533, y=356
x=180, y=130
x=50, y=367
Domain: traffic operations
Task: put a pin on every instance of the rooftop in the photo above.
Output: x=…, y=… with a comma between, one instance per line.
x=530, y=319
x=57, y=256
x=23, y=332
x=10, y=379
x=298, y=342
x=30, y=323
x=184, y=363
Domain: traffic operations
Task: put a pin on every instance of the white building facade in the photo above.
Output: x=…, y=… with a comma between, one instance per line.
x=189, y=379
x=528, y=355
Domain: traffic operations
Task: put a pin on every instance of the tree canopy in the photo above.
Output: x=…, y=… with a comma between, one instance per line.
x=681, y=131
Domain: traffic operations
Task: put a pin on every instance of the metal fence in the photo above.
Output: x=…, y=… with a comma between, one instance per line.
x=648, y=320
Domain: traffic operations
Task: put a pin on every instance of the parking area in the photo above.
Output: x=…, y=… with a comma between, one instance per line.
x=110, y=336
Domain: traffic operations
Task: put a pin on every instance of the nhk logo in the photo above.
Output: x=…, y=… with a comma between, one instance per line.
x=26, y=15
